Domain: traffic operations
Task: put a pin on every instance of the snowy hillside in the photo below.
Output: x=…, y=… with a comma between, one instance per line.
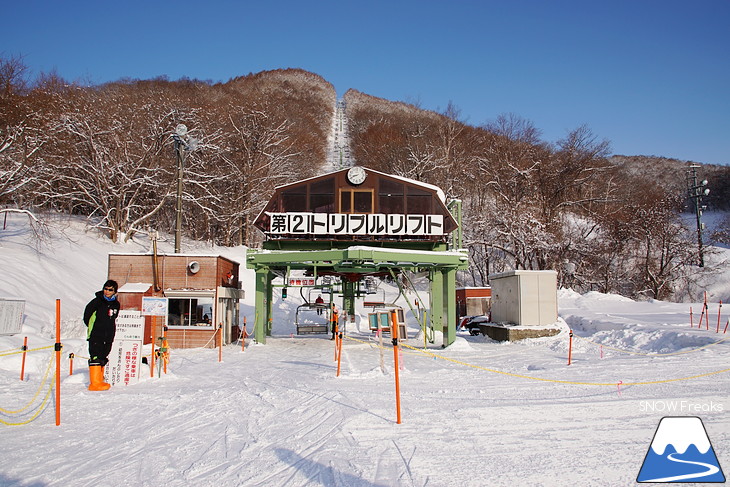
x=477, y=413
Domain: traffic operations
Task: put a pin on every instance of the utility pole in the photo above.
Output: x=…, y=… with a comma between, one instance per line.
x=696, y=192
x=181, y=149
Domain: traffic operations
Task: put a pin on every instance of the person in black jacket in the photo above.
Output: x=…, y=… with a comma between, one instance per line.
x=100, y=318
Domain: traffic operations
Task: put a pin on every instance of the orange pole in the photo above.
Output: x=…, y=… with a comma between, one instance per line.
x=335, y=323
x=70, y=364
x=570, y=347
x=243, y=336
x=152, y=340
x=394, y=334
x=702, y=316
x=22, y=363
x=339, y=353
x=718, y=317
x=220, y=342
x=58, y=362
x=337, y=341
x=167, y=350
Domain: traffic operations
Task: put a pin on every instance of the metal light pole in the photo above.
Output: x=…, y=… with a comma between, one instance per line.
x=181, y=147
x=696, y=192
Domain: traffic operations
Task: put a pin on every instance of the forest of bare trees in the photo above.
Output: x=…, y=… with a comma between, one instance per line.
x=106, y=152
x=610, y=224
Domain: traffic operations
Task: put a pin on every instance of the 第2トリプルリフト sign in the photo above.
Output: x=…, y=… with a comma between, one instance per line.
x=300, y=223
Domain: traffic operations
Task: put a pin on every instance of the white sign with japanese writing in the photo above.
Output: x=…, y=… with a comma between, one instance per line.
x=126, y=354
x=355, y=224
x=11, y=316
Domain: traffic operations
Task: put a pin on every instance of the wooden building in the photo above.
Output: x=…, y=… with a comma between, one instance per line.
x=354, y=205
x=203, y=293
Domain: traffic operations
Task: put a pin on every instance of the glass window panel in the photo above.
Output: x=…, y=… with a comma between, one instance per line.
x=363, y=202
x=345, y=199
x=419, y=205
x=322, y=203
x=294, y=202
x=391, y=205
x=390, y=187
x=325, y=186
x=190, y=312
x=417, y=191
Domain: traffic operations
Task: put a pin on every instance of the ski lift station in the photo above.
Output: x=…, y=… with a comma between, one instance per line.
x=337, y=234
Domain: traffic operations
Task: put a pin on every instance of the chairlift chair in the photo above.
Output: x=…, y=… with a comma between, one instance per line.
x=310, y=327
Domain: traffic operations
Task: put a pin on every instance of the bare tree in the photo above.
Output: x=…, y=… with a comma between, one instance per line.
x=21, y=134
x=258, y=155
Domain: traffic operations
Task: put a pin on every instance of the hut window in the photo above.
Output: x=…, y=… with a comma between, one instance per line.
x=294, y=199
x=390, y=197
x=322, y=196
x=356, y=201
x=418, y=201
x=190, y=312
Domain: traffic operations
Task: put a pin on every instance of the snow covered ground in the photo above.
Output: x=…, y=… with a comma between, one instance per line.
x=478, y=413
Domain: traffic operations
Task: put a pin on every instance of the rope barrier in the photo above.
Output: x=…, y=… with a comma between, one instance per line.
x=557, y=381
x=664, y=381
x=41, y=408
x=40, y=387
x=215, y=334
x=20, y=350
x=653, y=354
x=376, y=345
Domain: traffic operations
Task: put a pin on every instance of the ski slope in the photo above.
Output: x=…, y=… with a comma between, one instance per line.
x=474, y=414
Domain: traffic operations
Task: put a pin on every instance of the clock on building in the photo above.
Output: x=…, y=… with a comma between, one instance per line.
x=356, y=175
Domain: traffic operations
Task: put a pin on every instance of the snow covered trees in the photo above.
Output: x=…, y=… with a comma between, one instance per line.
x=106, y=151
x=528, y=204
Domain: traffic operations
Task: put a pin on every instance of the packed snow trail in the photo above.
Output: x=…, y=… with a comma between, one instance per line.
x=338, y=150
x=276, y=414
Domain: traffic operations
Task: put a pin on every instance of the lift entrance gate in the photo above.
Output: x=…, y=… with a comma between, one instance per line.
x=412, y=230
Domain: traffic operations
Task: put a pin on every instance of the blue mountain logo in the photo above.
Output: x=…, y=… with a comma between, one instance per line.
x=681, y=452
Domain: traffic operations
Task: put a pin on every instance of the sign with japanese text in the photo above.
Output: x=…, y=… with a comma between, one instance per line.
x=355, y=224
x=126, y=354
x=301, y=281
x=11, y=316
x=130, y=325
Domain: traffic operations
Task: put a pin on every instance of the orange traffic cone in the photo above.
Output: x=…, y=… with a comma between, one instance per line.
x=96, y=376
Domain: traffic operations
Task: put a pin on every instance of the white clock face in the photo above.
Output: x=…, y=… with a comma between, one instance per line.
x=356, y=175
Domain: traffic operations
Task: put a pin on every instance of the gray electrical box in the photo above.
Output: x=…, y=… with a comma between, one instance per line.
x=528, y=298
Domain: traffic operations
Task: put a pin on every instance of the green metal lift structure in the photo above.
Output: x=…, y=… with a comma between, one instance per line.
x=310, y=241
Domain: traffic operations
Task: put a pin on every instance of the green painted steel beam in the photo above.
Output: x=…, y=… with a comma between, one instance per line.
x=356, y=259
x=296, y=245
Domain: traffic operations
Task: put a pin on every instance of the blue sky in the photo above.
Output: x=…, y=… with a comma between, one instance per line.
x=650, y=76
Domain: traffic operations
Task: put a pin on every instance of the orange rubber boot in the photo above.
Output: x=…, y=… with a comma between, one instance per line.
x=96, y=376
